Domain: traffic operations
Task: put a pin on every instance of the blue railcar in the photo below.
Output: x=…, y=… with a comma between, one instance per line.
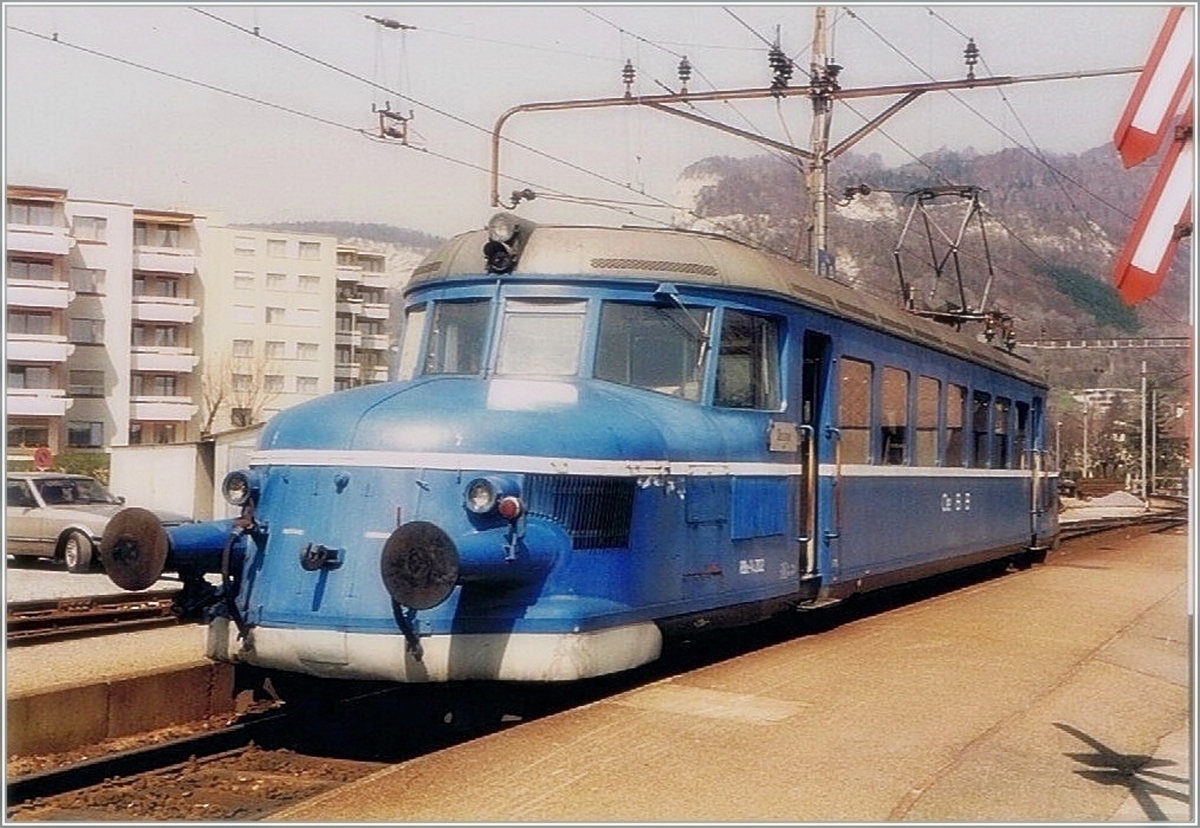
x=597, y=437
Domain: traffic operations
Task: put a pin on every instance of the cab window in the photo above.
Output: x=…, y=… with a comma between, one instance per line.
x=662, y=349
x=457, y=337
x=748, y=362
x=540, y=337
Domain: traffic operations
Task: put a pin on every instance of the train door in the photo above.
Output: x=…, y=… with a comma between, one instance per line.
x=812, y=387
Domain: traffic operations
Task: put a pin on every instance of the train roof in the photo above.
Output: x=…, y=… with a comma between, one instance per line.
x=645, y=254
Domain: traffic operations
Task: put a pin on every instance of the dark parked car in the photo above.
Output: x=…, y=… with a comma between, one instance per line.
x=61, y=516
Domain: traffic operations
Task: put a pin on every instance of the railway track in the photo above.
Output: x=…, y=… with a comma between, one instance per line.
x=31, y=622
x=271, y=759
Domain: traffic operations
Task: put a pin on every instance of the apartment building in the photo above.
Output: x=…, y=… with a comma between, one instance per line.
x=130, y=326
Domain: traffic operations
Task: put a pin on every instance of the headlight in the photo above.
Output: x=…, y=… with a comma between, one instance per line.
x=485, y=495
x=480, y=496
x=502, y=227
x=240, y=487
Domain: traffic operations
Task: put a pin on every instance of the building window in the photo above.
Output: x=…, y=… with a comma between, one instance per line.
x=346, y=259
x=243, y=382
x=275, y=316
x=239, y=417
x=371, y=264
x=147, y=234
x=31, y=213
x=151, y=433
x=310, y=250
x=30, y=376
x=273, y=383
x=854, y=409
x=245, y=246
x=277, y=248
x=87, y=280
x=242, y=314
x=153, y=385
x=38, y=270
x=85, y=331
x=30, y=322
x=276, y=349
x=90, y=228
x=155, y=336
x=308, y=317
x=85, y=383
x=276, y=281
x=243, y=280
x=307, y=351
x=28, y=435
x=310, y=284
x=306, y=385
x=85, y=434
x=243, y=347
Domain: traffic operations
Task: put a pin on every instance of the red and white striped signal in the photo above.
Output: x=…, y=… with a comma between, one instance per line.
x=1165, y=218
x=1158, y=93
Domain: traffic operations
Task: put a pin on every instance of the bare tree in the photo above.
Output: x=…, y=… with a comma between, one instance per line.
x=238, y=384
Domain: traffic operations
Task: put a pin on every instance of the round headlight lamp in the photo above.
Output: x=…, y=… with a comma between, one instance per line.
x=502, y=227
x=239, y=488
x=480, y=496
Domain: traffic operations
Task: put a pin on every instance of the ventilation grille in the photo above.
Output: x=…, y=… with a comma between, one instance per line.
x=595, y=511
x=654, y=264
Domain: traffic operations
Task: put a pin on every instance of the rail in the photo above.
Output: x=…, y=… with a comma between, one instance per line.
x=29, y=622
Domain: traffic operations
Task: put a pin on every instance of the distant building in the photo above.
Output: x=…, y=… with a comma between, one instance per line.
x=130, y=326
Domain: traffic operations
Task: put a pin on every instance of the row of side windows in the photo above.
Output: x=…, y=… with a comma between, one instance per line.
x=953, y=426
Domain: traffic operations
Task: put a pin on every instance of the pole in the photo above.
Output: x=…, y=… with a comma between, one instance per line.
x=820, y=87
x=1145, y=490
x=1087, y=466
x=1153, y=440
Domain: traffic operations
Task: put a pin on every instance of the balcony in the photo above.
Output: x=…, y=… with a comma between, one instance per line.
x=36, y=402
x=164, y=309
x=162, y=409
x=375, y=373
x=374, y=342
x=170, y=360
x=27, y=293
x=375, y=280
x=39, y=238
x=353, y=339
x=376, y=310
x=346, y=371
x=349, y=275
x=165, y=259
x=352, y=307
x=37, y=348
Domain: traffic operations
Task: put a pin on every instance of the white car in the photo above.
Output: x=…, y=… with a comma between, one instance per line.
x=62, y=517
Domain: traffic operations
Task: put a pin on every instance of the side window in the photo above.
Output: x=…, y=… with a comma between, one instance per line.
x=414, y=326
x=457, y=338
x=854, y=409
x=18, y=494
x=660, y=349
x=748, y=363
x=956, y=405
x=980, y=403
x=1000, y=458
x=894, y=418
x=1021, y=437
x=929, y=391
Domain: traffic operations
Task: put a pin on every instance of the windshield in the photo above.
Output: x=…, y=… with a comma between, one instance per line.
x=66, y=490
x=457, y=339
x=541, y=337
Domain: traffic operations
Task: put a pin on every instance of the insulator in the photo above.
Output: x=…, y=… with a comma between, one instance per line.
x=971, y=55
x=780, y=65
x=628, y=73
x=685, y=71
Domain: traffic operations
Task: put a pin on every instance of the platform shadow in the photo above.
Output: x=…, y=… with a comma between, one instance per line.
x=1134, y=771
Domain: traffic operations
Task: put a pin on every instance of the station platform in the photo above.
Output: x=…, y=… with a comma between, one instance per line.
x=1060, y=693
x=67, y=694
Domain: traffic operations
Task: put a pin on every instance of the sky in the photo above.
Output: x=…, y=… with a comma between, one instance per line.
x=177, y=107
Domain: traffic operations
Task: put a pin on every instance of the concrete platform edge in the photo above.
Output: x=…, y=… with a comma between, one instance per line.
x=72, y=716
